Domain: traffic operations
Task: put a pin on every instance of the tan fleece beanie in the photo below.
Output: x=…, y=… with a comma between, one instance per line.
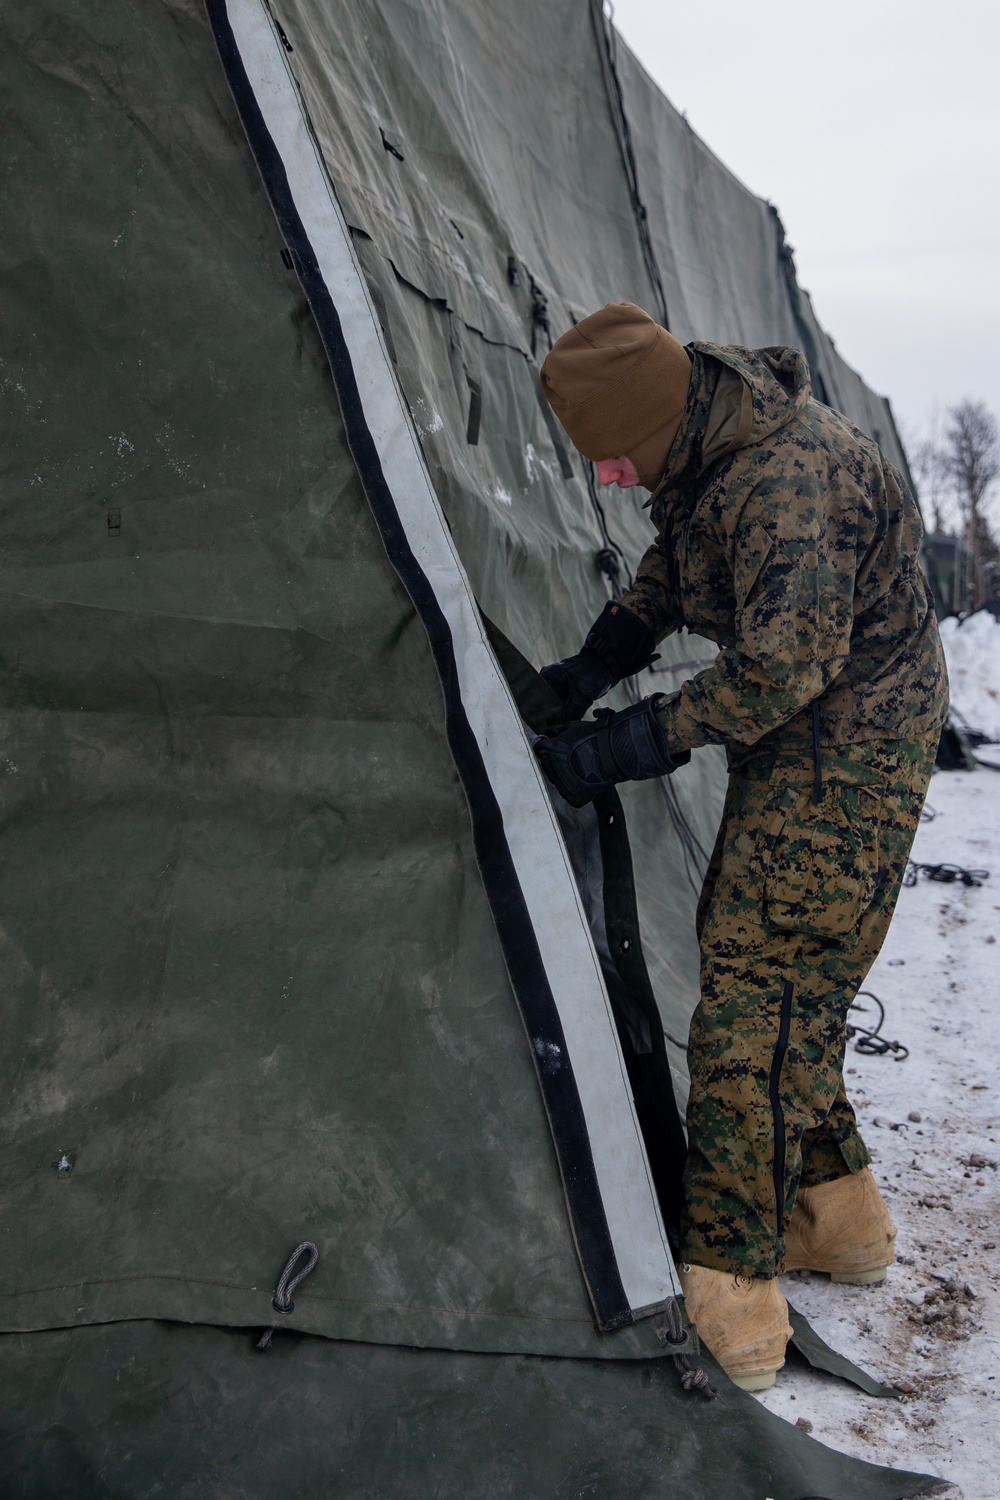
x=616, y=379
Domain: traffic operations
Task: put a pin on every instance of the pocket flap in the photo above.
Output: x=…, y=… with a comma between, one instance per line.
x=753, y=548
x=820, y=874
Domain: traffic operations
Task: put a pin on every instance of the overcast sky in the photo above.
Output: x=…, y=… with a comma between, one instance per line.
x=874, y=127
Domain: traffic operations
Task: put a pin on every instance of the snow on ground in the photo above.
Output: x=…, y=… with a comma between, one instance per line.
x=932, y=1125
x=973, y=652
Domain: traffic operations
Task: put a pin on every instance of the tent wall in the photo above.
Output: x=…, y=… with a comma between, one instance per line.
x=211, y=659
x=254, y=989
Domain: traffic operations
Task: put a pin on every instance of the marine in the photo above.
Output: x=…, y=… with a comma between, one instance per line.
x=784, y=536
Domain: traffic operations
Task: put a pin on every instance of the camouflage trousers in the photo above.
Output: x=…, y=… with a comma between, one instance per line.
x=795, y=907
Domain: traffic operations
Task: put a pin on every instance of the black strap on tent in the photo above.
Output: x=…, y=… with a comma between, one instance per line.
x=540, y=321
x=607, y=39
x=633, y=1003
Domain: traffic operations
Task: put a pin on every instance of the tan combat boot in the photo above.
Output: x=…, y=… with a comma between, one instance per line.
x=742, y=1319
x=842, y=1228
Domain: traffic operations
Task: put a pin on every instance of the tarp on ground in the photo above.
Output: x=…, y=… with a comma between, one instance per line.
x=292, y=946
x=132, y=1411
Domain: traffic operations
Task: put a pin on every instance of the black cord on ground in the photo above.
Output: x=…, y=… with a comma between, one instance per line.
x=869, y=1043
x=945, y=874
x=975, y=737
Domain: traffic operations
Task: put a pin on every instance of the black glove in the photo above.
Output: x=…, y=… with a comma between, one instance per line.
x=584, y=759
x=618, y=644
x=579, y=681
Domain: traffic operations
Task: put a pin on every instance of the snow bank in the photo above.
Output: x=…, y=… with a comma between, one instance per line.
x=973, y=652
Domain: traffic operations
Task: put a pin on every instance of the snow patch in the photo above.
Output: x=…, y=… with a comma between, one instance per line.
x=549, y=1054
x=972, y=648
x=425, y=419
x=535, y=464
x=499, y=493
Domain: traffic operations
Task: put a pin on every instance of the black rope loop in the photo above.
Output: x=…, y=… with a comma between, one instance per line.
x=282, y=1299
x=692, y=1376
x=674, y=1333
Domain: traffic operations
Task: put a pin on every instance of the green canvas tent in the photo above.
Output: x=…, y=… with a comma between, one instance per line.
x=298, y=949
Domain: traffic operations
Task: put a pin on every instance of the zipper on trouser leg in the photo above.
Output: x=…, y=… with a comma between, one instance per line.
x=817, y=793
x=777, y=1113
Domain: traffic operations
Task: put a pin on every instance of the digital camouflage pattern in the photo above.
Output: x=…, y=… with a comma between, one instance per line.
x=784, y=536
x=795, y=906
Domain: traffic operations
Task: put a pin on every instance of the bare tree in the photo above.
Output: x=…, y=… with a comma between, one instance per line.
x=927, y=465
x=927, y=468
x=971, y=459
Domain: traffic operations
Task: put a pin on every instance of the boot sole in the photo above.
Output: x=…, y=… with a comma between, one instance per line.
x=859, y=1278
x=762, y=1380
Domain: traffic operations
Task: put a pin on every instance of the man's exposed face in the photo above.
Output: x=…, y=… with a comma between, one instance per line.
x=620, y=471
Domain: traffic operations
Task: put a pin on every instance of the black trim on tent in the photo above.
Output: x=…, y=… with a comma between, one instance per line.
x=517, y=938
x=633, y=1004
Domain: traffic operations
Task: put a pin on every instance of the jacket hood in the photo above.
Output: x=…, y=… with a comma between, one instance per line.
x=738, y=397
x=777, y=381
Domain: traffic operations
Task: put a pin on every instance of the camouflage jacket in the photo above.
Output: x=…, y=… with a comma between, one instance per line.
x=784, y=536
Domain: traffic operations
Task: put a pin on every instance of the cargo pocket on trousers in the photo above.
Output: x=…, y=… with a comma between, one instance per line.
x=822, y=862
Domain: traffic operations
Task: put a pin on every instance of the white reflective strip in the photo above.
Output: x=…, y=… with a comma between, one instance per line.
x=644, y=1260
